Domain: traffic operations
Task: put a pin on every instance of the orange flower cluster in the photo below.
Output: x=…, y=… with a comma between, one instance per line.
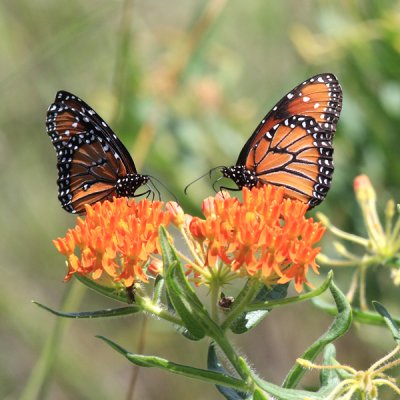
x=265, y=235
x=115, y=240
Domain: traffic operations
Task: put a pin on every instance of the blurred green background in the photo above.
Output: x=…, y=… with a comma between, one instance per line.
x=183, y=83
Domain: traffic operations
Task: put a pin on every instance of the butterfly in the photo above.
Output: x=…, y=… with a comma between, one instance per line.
x=292, y=145
x=93, y=164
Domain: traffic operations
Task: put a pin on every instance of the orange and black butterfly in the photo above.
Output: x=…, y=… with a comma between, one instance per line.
x=292, y=145
x=93, y=165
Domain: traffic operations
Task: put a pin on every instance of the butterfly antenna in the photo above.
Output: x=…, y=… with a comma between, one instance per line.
x=201, y=177
x=165, y=187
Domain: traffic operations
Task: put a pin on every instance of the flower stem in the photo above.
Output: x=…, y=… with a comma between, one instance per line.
x=215, y=291
x=383, y=362
x=363, y=297
x=353, y=286
x=237, y=362
x=147, y=305
x=191, y=247
x=342, y=234
x=242, y=302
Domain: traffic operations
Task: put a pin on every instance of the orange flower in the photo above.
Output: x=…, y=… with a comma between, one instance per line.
x=115, y=240
x=265, y=235
x=176, y=211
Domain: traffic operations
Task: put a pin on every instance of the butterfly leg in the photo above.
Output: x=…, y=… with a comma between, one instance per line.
x=147, y=193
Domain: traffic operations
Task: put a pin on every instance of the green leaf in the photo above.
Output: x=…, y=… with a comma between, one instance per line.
x=340, y=325
x=181, y=295
x=258, y=395
x=158, y=288
x=182, y=306
x=250, y=319
x=388, y=320
x=213, y=364
x=274, y=303
x=213, y=377
x=117, y=294
x=329, y=377
x=168, y=253
x=184, y=297
x=266, y=300
x=364, y=317
x=280, y=393
x=109, y=312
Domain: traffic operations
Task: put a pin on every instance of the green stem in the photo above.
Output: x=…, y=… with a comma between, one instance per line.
x=295, y=299
x=147, y=305
x=242, y=302
x=184, y=370
x=353, y=286
x=237, y=362
x=363, y=291
x=215, y=291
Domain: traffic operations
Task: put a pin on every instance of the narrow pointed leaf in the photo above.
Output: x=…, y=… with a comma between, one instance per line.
x=158, y=288
x=364, y=317
x=286, y=394
x=182, y=307
x=182, y=295
x=178, y=290
x=213, y=364
x=169, y=255
x=213, y=377
x=117, y=294
x=388, y=320
x=274, y=303
x=258, y=395
x=250, y=319
x=173, y=269
x=109, y=312
x=340, y=325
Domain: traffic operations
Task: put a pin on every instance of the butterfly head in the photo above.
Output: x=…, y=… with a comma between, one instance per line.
x=127, y=185
x=242, y=176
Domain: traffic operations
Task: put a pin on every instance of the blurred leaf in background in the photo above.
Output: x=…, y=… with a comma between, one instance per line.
x=183, y=84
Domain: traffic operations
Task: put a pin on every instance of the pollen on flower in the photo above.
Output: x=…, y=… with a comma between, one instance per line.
x=115, y=240
x=265, y=235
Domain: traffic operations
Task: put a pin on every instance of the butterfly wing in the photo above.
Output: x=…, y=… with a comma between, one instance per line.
x=319, y=97
x=292, y=145
x=90, y=157
x=296, y=154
